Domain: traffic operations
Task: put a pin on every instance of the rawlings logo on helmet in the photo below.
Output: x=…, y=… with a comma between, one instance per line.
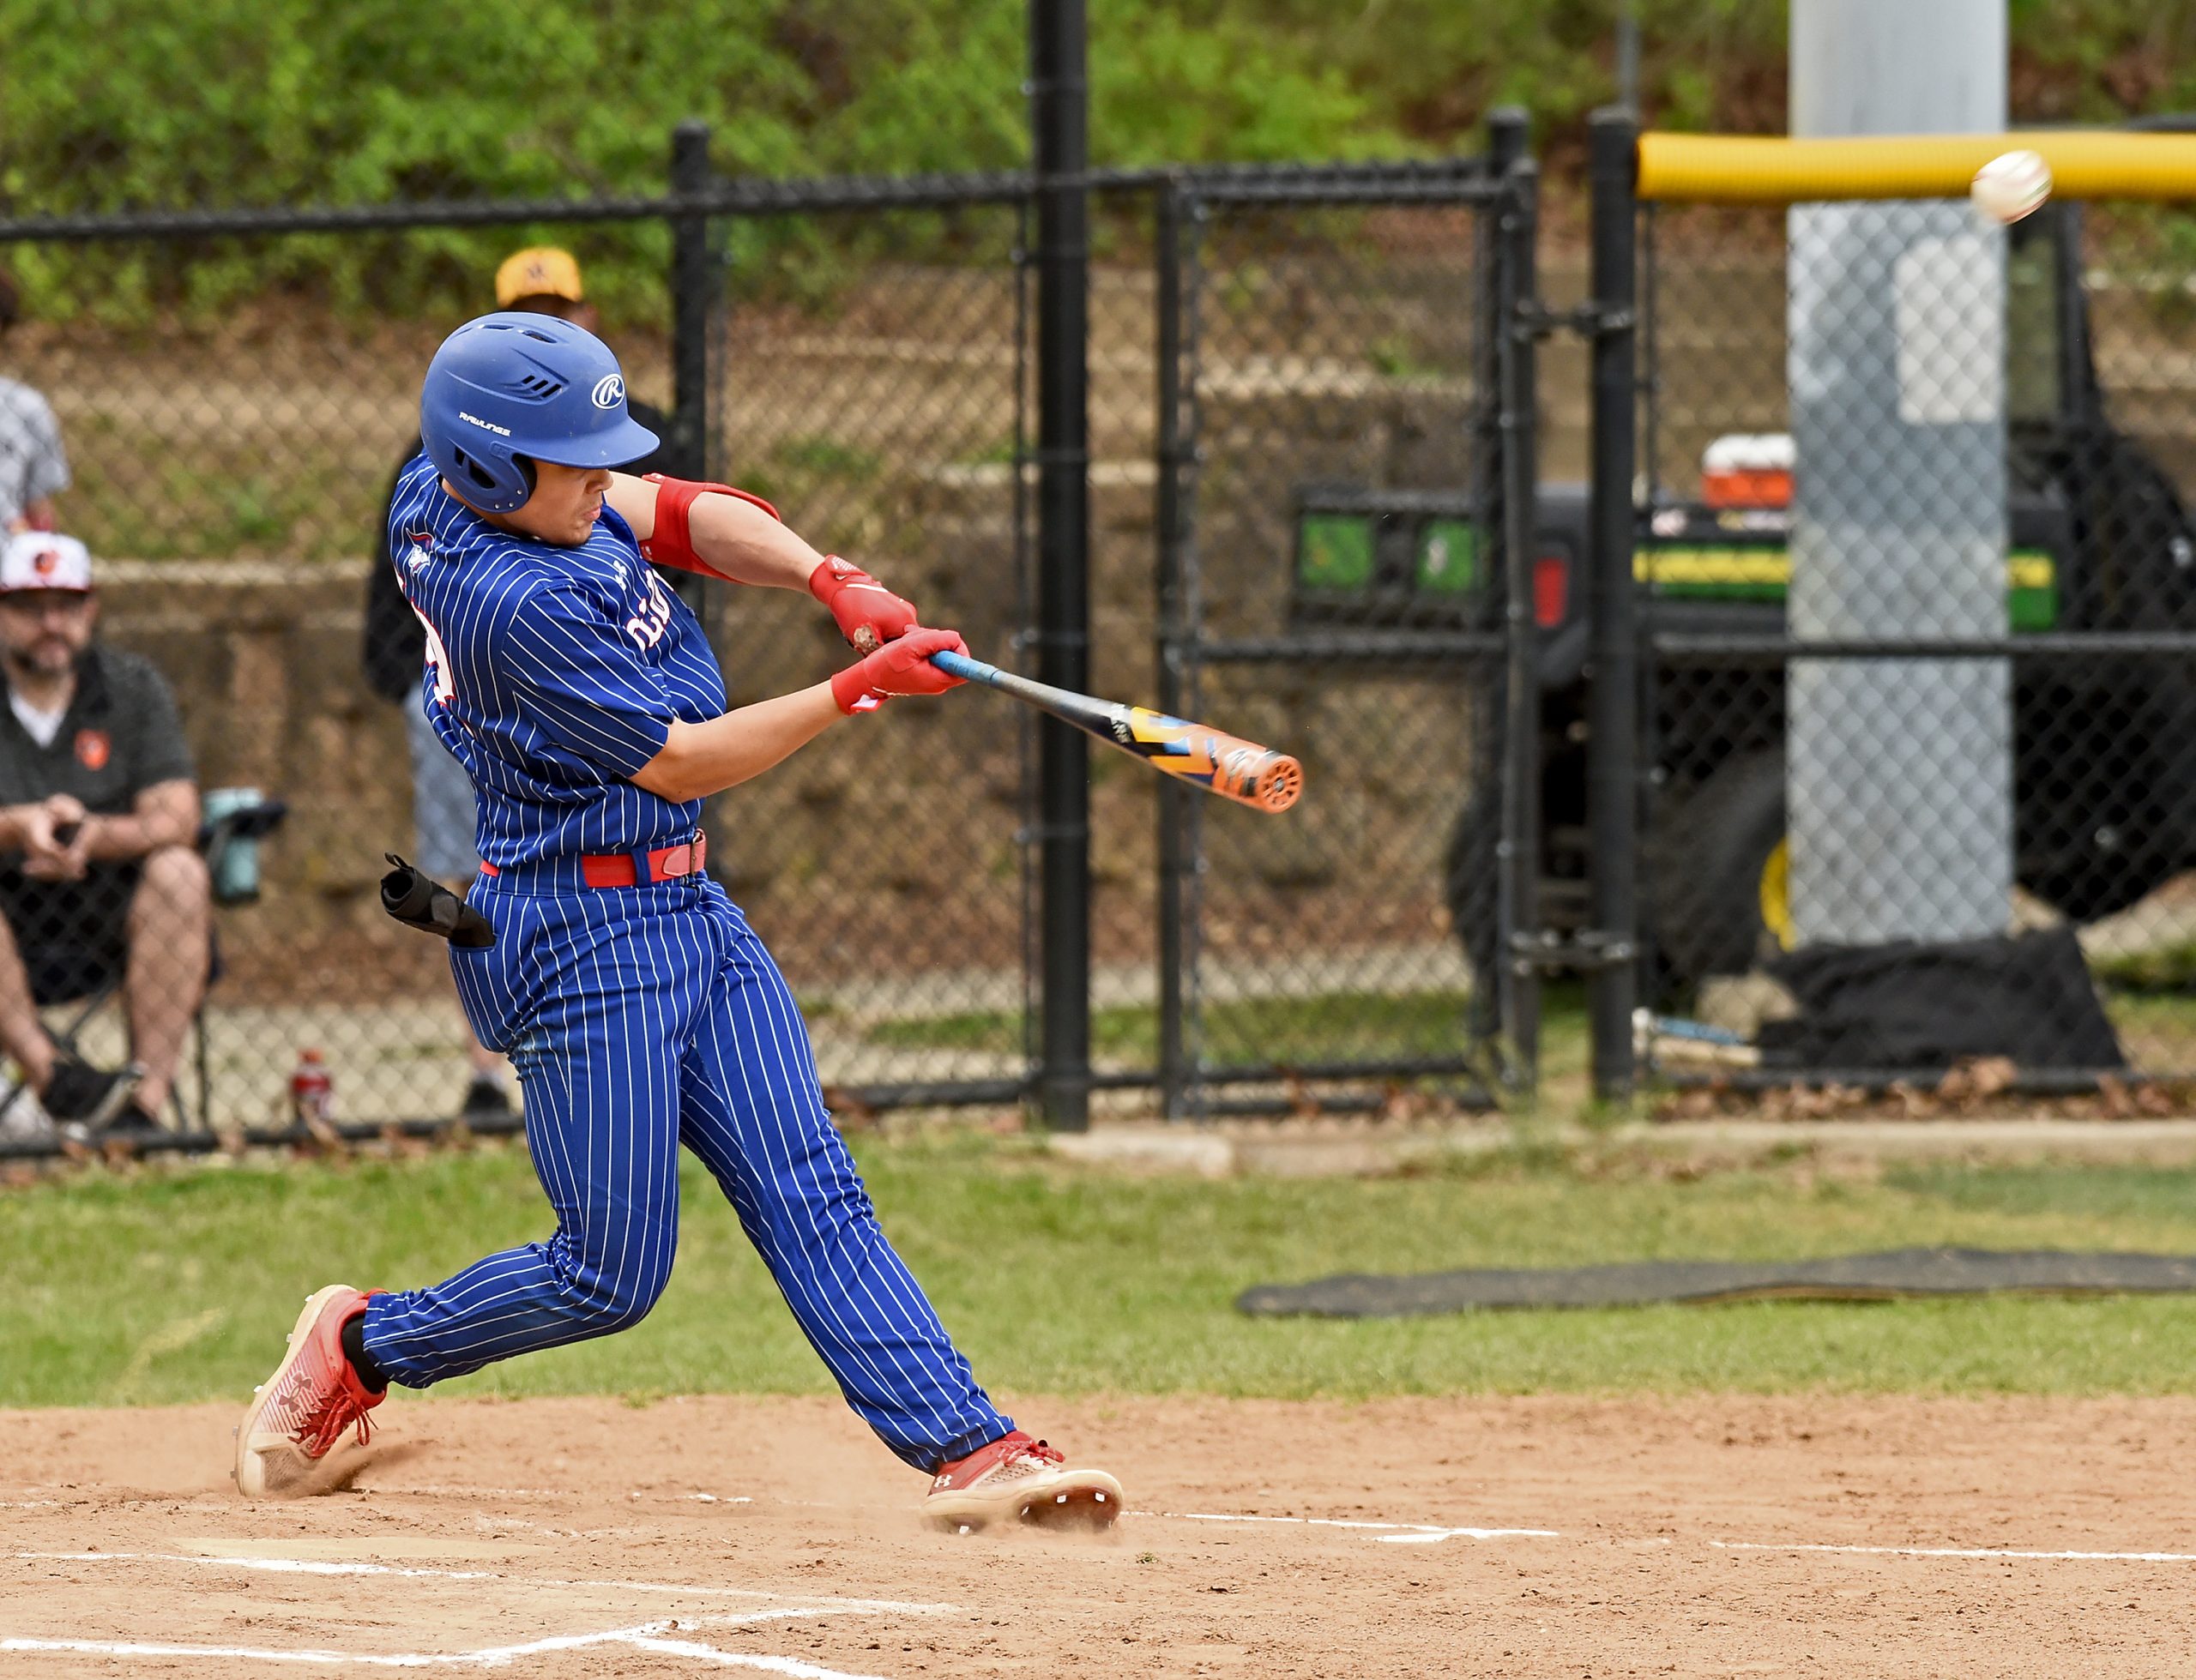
x=609, y=391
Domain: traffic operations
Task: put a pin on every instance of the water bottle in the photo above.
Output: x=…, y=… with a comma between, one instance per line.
x=312, y=1099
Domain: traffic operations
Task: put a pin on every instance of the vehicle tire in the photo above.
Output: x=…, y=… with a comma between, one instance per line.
x=1715, y=854
x=2105, y=751
x=2105, y=771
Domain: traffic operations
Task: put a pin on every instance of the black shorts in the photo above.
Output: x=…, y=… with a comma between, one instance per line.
x=73, y=936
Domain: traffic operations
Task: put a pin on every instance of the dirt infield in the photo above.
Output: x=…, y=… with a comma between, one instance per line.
x=1712, y=1535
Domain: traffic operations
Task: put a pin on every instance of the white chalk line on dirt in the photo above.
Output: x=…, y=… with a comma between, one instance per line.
x=303, y=1566
x=644, y=1636
x=452, y=1490
x=439, y=1490
x=1394, y=1533
x=1963, y=1551
x=319, y=1566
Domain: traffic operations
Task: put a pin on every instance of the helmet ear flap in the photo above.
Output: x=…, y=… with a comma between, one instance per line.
x=479, y=475
x=482, y=478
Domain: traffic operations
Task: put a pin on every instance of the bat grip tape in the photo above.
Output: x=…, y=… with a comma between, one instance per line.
x=960, y=665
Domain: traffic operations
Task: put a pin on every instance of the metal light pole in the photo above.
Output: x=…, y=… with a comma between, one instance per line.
x=1899, y=772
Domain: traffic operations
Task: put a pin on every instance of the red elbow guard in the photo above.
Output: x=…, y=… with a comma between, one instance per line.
x=672, y=543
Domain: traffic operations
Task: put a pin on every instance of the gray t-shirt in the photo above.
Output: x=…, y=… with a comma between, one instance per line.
x=32, y=463
x=120, y=736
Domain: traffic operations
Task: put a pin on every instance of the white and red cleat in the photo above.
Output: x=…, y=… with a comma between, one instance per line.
x=298, y=1416
x=1016, y=1479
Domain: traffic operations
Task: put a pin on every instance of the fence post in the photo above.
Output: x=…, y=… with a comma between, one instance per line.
x=1488, y=1012
x=1507, y=126
x=1174, y=813
x=1060, y=118
x=1505, y=145
x=693, y=305
x=1518, y=921
x=696, y=313
x=1613, y=723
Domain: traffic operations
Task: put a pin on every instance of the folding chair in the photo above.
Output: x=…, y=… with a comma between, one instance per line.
x=236, y=820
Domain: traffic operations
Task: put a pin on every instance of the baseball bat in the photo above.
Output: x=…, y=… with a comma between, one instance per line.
x=1228, y=765
x=1669, y=1039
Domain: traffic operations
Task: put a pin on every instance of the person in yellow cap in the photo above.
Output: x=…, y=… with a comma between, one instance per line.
x=543, y=280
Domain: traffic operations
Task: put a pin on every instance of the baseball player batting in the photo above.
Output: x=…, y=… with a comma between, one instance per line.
x=640, y=1010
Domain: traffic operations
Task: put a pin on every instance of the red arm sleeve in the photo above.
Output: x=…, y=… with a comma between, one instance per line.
x=672, y=544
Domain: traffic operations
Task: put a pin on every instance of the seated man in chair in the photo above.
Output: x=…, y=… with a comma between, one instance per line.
x=100, y=879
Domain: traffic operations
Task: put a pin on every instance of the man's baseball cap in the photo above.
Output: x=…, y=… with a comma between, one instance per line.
x=539, y=271
x=44, y=560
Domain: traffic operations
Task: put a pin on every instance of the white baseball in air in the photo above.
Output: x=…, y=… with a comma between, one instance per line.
x=2011, y=185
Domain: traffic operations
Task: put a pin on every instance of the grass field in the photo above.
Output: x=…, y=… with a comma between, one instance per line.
x=1366, y=1025
x=176, y=1285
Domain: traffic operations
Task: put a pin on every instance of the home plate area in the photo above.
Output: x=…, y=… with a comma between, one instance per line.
x=1517, y=1536
x=288, y=1611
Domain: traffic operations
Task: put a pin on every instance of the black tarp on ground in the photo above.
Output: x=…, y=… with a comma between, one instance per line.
x=1887, y=1276
x=1926, y=1007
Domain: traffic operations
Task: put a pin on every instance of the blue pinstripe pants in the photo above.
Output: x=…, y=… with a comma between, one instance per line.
x=640, y=1019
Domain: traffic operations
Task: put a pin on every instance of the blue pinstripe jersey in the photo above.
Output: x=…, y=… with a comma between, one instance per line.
x=554, y=674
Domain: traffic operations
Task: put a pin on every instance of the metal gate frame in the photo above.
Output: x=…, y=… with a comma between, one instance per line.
x=1500, y=1046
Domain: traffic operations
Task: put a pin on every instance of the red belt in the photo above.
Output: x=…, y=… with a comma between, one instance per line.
x=632, y=868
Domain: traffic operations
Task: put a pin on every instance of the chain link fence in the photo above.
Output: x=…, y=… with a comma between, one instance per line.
x=1336, y=578
x=875, y=384
x=1918, y=596
x=861, y=352
x=867, y=368
x=1911, y=552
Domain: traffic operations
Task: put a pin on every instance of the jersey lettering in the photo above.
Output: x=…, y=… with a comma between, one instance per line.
x=647, y=626
x=437, y=660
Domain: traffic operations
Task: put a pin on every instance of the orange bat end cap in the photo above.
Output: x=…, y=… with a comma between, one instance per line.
x=1254, y=775
x=1278, y=784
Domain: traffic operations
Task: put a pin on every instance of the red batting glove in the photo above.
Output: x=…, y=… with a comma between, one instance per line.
x=869, y=614
x=900, y=666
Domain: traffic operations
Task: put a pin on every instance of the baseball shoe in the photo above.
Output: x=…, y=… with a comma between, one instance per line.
x=83, y=1098
x=134, y=1123
x=298, y=1415
x=1016, y=1479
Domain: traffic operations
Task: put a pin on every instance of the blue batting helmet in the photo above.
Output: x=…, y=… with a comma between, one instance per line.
x=512, y=389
